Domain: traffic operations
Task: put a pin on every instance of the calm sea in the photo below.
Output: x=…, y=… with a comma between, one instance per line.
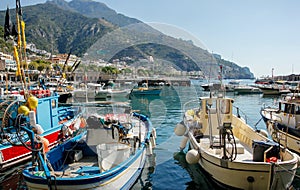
x=167, y=168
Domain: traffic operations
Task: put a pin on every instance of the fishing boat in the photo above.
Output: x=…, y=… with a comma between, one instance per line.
x=55, y=124
x=111, y=155
x=232, y=153
x=273, y=89
x=264, y=81
x=144, y=91
x=59, y=85
x=283, y=122
x=117, y=93
x=229, y=87
x=245, y=89
x=90, y=92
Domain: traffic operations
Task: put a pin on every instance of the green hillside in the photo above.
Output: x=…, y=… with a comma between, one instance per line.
x=85, y=27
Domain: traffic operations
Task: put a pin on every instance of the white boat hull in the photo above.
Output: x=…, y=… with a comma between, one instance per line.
x=245, y=175
x=232, y=153
x=243, y=172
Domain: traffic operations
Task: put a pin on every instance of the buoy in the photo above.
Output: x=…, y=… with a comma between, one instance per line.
x=192, y=156
x=152, y=141
x=23, y=110
x=183, y=142
x=180, y=129
x=154, y=132
x=149, y=149
x=39, y=129
x=45, y=143
x=153, y=137
x=32, y=102
x=190, y=112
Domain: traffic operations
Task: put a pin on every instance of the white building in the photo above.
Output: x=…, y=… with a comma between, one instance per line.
x=9, y=62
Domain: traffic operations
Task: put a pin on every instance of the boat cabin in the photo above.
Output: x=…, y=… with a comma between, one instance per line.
x=214, y=108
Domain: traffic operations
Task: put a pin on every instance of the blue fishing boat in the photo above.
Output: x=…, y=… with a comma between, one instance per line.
x=53, y=123
x=111, y=155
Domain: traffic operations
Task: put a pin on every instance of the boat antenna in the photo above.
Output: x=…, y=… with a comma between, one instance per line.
x=222, y=88
x=220, y=76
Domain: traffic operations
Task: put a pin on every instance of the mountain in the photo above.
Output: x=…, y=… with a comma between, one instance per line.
x=90, y=28
x=94, y=9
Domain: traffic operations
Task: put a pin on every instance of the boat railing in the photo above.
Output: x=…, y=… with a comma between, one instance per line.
x=240, y=114
x=191, y=104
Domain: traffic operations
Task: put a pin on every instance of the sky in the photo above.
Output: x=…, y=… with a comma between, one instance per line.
x=263, y=35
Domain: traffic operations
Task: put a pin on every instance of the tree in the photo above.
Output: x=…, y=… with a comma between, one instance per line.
x=41, y=67
x=127, y=70
x=32, y=66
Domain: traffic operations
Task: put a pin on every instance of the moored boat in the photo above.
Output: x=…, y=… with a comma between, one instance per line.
x=89, y=92
x=117, y=93
x=110, y=156
x=142, y=91
x=244, y=89
x=55, y=123
x=273, y=89
x=228, y=87
x=264, y=81
x=233, y=154
x=283, y=122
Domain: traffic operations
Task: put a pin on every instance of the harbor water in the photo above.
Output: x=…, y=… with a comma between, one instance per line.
x=167, y=168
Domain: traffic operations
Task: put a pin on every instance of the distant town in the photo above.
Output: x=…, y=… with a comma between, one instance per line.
x=41, y=62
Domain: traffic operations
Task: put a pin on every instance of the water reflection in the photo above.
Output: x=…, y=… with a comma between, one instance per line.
x=199, y=180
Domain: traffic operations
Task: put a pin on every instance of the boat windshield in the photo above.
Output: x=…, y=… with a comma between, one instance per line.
x=215, y=105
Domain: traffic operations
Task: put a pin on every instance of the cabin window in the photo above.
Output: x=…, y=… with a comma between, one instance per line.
x=225, y=106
